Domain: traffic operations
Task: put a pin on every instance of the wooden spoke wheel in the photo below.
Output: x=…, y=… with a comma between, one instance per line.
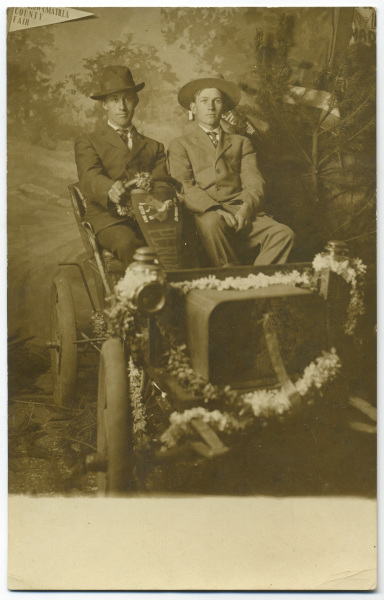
x=63, y=336
x=114, y=421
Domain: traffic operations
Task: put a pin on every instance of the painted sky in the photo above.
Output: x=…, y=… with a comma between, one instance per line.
x=83, y=38
x=205, y=40
x=79, y=39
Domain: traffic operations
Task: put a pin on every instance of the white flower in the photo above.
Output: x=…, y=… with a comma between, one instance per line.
x=250, y=282
x=138, y=409
x=266, y=403
x=352, y=271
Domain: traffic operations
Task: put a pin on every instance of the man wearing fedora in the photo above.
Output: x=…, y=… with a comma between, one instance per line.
x=223, y=186
x=110, y=156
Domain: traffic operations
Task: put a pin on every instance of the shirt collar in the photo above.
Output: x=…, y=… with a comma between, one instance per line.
x=116, y=127
x=216, y=130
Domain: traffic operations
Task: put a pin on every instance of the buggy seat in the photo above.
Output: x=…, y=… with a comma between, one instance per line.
x=79, y=204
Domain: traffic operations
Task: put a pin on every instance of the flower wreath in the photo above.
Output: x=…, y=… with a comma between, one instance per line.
x=352, y=270
x=238, y=411
x=142, y=181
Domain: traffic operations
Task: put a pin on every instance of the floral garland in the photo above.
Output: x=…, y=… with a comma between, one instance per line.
x=122, y=313
x=98, y=324
x=180, y=427
x=142, y=181
x=352, y=270
x=251, y=282
x=240, y=410
x=138, y=409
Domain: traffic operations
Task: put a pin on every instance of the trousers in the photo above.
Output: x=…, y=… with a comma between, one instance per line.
x=266, y=242
x=122, y=239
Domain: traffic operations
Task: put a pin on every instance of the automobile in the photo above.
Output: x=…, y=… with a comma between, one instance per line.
x=191, y=359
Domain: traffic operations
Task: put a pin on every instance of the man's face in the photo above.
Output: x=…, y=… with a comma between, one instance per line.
x=121, y=107
x=208, y=108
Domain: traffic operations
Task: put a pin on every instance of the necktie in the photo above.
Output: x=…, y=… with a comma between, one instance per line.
x=213, y=137
x=126, y=136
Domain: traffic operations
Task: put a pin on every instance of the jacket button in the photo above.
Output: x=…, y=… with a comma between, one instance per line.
x=218, y=171
x=217, y=188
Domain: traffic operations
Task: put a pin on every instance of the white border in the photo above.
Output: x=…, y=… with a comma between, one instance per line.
x=170, y=3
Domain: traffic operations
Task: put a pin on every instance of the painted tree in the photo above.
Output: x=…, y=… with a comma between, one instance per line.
x=221, y=39
x=42, y=110
x=146, y=65
x=28, y=74
x=319, y=166
x=214, y=38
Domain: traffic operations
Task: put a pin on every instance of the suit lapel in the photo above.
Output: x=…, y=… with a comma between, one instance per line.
x=112, y=137
x=138, y=143
x=202, y=139
x=225, y=142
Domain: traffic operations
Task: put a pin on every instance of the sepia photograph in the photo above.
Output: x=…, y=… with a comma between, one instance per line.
x=191, y=242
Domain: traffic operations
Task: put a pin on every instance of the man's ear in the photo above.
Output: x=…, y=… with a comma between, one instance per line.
x=104, y=105
x=193, y=108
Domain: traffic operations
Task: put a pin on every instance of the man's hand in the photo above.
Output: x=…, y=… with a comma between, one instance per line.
x=243, y=217
x=116, y=192
x=228, y=218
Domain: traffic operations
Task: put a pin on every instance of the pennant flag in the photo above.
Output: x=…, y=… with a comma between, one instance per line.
x=364, y=26
x=159, y=217
x=27, y=18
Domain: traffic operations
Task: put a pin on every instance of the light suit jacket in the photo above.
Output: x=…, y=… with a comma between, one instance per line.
x=223, y=176
x=102, y=158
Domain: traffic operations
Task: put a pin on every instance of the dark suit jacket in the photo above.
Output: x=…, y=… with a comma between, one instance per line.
x=223, y=176
x=102, y=158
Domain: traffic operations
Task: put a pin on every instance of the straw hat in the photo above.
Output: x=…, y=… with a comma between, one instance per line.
x=185, y=95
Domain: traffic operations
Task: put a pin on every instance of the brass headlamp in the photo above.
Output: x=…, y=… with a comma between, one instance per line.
x=150, y=295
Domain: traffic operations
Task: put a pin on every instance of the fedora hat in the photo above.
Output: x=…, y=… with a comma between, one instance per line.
x=185, y=95
x=116, y=79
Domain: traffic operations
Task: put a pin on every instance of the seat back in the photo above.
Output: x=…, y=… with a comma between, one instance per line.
x=79, y=201
x=79, y=205
x=110, y=269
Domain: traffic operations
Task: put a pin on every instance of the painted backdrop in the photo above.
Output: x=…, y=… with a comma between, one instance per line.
x=53, y=69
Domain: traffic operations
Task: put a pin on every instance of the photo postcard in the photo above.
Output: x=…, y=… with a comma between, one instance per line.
x=191, y=243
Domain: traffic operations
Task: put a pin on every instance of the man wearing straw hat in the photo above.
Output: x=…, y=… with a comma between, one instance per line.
x=112, y=155
x=223, y=186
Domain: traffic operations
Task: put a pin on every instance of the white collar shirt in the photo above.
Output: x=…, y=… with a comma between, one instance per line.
x=127, y=129
x=217, y=130
x=209, y=132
